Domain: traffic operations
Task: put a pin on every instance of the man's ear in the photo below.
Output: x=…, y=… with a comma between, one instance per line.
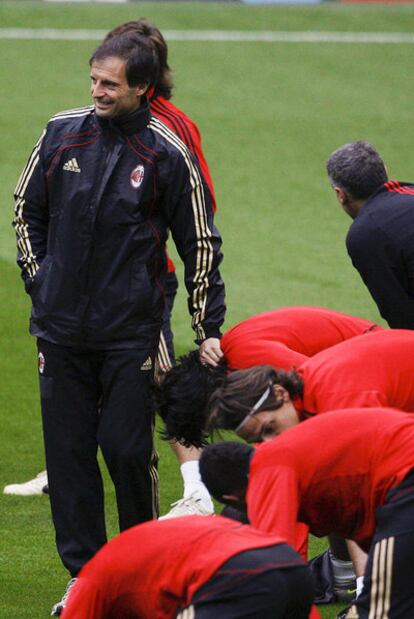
x=141, y=89
x=341, y=195
x=281, y=394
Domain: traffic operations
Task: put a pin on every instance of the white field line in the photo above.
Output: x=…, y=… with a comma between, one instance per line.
x=219, y=35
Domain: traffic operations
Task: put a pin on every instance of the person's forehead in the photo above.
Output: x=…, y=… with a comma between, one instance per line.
x=251, y=429
x=112, y=68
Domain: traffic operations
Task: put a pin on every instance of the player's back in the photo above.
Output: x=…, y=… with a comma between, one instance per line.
x=353, y=457
x=374, y=370
x=151, y=569
x=287, y=336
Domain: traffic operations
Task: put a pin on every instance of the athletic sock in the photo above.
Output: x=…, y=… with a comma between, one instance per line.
x=190, y=472
x=359, y=585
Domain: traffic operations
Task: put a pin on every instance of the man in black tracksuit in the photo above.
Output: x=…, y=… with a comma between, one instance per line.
x=94, y=203
x=380, y=241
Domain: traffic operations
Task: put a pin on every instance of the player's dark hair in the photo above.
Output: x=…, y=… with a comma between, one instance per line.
x=235, y=398
x=224, y=468
x=142, y=66
x=144, y=28
x=357, y=168
x=182, y=396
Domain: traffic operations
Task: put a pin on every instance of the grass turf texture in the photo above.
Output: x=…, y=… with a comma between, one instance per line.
x=270, y=114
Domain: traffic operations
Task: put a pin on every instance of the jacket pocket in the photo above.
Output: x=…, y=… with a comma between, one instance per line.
x=39, y=283
x=140, y=290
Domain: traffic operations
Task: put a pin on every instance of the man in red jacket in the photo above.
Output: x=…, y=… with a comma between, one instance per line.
x=194, y=567
x=373, y=371
x=356, y=480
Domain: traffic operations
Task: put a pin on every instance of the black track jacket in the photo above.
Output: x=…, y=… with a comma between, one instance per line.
x=380, y=243
x=93, y=208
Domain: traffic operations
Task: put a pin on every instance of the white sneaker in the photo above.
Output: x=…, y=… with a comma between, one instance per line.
x=188, y=506
x=59, y=607
x=28, y=488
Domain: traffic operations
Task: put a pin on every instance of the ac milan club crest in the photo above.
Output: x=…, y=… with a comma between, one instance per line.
x=41, y=362
x=137, y=176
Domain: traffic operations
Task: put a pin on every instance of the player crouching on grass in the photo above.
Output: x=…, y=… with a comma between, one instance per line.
x=193, y=568
x=367, y=371
x=351, y=473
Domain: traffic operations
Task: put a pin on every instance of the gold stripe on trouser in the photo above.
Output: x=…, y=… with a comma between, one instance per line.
x=187, y=613
x=163, y=361
x=381, y=579
x=153, y=472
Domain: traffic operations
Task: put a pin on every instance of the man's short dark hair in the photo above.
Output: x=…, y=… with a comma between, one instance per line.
x=224, y=468
x=240, y=391
x=182, y=397
x=146, y=29
x=142, y=65
x=357, y=168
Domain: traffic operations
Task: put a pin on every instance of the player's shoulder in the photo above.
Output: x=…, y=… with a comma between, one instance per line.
x=167, y=139
x=68, y=123
x=72, y=114
x=70, y=120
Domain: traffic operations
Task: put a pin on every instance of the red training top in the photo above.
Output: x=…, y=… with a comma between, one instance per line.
x=188, y=132
x=352, y=459
x=154, y=568
x=286, y=337
x=363, y=372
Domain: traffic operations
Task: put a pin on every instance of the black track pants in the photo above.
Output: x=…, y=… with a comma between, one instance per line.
x=91, y=399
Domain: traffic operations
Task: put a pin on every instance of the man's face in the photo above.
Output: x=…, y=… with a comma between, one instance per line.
x=266, y=425
x=261, y=427
x=110, y=90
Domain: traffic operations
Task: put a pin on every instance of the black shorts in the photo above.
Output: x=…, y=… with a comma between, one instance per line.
x=265, y=583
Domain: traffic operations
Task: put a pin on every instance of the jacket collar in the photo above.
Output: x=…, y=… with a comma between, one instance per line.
x=130, y=123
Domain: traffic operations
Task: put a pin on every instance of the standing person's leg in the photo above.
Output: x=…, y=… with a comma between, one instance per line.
x=196, y=498
x=125, y=433
x=69, y=397
x=265, y=583
x=388, y=582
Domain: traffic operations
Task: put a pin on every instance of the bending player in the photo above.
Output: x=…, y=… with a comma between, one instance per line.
x=192, y=567
x=283, y=338
x=375, y=371
x=357, y=480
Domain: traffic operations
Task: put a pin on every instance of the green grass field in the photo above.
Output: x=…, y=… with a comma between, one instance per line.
x=270, y=114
